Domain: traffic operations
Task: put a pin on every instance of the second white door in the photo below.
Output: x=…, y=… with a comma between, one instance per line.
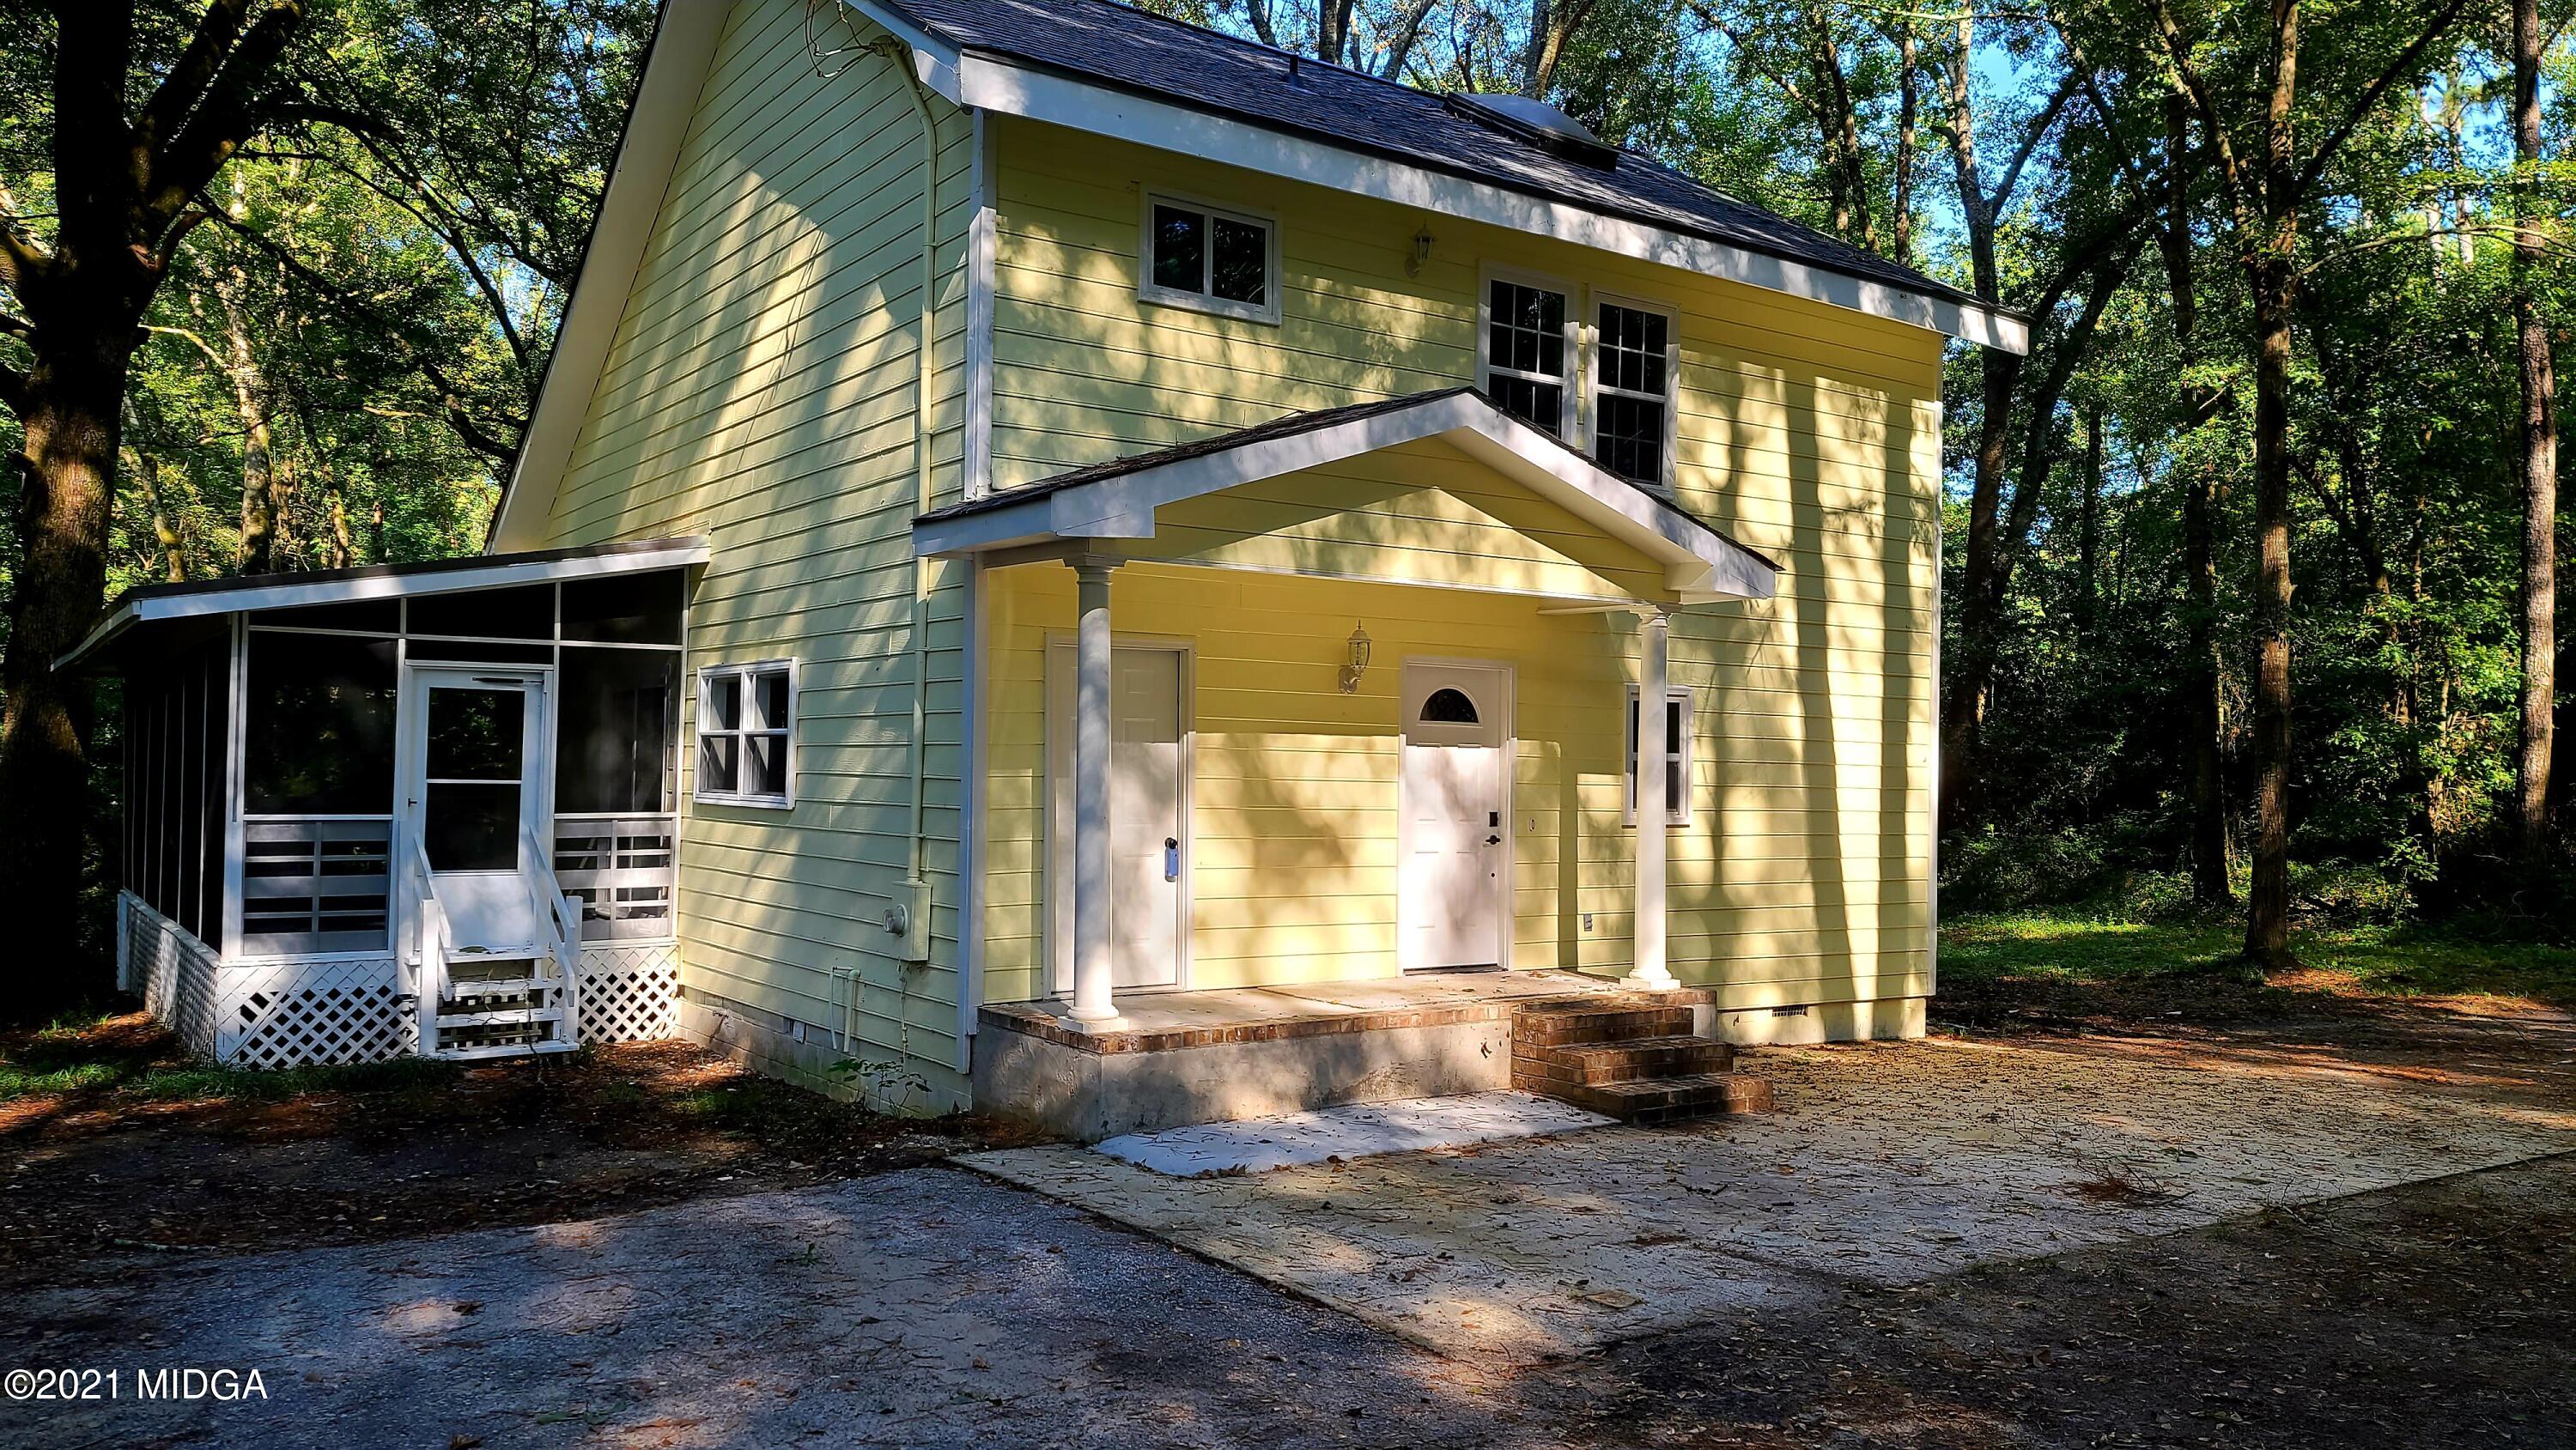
x=1456, y=846
x=1147, y=808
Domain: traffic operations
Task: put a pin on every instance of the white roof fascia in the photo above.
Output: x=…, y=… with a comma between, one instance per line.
x=290, y=593
x=997, y=84
x=1700, y=563
x=666, y=99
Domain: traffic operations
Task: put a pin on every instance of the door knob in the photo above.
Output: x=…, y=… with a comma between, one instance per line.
x=1493, y=840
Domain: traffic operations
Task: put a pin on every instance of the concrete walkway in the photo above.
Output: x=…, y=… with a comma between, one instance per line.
x=1889, y=1164
x=922, y=1308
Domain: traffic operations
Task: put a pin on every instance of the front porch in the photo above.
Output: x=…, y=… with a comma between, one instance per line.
x=1177, y=1058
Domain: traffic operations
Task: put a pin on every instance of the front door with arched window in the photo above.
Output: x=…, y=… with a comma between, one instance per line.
x=1455, y=851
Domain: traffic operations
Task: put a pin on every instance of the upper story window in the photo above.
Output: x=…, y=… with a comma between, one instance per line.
x=1210, y=258
x=1632, y=391
x=1528, y=353
x=747, y=734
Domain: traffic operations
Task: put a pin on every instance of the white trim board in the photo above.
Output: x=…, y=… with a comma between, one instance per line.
x=287, y=591
x=1701, y=565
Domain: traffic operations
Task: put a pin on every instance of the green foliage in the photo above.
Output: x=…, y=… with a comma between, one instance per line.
x=2075, y=951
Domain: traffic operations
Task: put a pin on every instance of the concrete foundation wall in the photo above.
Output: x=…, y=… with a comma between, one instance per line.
x=1088, y=1096
x=1888, y=1020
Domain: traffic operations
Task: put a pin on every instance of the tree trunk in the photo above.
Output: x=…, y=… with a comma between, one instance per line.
x=2088, y=545
x=2202, y=678
x=174, y=563
x=67, y=472
x=2203, y=683
x=2539, y=460
x=2275, y=281
x=1900, y=219
x=259, y=502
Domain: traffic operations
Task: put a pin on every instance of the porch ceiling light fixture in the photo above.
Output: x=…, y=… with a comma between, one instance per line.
x=1359, y=660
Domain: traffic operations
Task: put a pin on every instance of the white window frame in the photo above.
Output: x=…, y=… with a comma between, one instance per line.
x=1205, y=299
x=1678, y=749
x=1594, y=300
x=746, y=672
x=1570, y=386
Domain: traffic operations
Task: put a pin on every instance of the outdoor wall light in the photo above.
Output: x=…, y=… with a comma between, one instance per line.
x=1359, y=661
x=1421, y=253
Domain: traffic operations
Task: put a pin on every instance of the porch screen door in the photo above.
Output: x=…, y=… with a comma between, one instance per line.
x=475, y=782
x=1455, y=841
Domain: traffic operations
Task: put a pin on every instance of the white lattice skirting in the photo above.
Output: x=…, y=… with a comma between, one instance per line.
x=301, y=1013
x=628, y=994
x=304, y=1014
x=173, y=971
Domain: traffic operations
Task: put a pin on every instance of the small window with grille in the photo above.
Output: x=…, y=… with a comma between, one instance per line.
x=1632, y=386
x=1528, y=353
x=747, y=734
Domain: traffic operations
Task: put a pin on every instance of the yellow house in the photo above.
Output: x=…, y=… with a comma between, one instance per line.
x=1185, y=531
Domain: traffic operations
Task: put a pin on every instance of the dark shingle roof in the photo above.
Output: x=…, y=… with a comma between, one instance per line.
x=1115, y=45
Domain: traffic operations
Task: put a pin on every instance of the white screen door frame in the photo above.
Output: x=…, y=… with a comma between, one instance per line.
x=1493, y=685
x=1058, y=806
x=485, y=907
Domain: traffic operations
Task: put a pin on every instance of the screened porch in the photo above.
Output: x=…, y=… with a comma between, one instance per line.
x=419, y=809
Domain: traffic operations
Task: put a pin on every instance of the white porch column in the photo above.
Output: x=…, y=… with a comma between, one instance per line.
x=1091, y=733
x=1653, y=638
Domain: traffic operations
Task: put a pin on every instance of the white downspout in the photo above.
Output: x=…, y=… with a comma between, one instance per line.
x=916, y=884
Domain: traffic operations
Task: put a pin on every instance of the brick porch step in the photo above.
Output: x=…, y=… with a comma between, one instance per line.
x=1555, y=1025
x=1635, y=1059
x=1671, y=1100
x=1632, y=1056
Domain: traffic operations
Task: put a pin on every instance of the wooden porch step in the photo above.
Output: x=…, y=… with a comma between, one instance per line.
x=511, y=1049
x=501, y=1017
x=1671, y=1100
x=1536, y=1068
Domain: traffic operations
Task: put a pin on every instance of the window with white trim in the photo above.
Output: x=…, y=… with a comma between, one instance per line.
x=747, y=734
x=1210, y=258
x=1632, y=391
x=1528, y=353
x=1677, y=757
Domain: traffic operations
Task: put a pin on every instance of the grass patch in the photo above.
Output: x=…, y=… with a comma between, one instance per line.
x=2041, y=962
x=95, y=1055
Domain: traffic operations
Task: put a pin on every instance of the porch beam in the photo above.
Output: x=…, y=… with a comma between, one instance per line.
x=1651, y=970
x=1093, y=1003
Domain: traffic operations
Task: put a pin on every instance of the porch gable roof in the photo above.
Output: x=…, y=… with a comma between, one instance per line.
x=1116, y=499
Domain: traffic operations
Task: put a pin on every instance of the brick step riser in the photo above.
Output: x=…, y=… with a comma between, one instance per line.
x=1570, y=1029
x=1618, y=1063
x=1720, y=1095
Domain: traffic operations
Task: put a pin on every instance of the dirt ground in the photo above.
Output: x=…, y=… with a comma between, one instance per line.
x=167, y=1160
x=792, y=1279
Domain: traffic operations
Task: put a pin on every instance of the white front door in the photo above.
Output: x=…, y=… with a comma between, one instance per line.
x=1148, y=809
x=475, y=773
x=1456, y=841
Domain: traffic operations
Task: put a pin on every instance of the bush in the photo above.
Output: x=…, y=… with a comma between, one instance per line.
x=2336, y=893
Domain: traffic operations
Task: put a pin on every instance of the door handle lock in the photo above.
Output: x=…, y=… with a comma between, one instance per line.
x=1171, y=859
x=1493, y=840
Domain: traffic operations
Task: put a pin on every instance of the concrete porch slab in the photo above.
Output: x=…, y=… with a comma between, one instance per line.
x=1362, y=1130
x=1176, y=1058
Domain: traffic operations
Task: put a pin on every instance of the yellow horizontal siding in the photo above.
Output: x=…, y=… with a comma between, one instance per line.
x=761, y=390
x=1808, y=432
